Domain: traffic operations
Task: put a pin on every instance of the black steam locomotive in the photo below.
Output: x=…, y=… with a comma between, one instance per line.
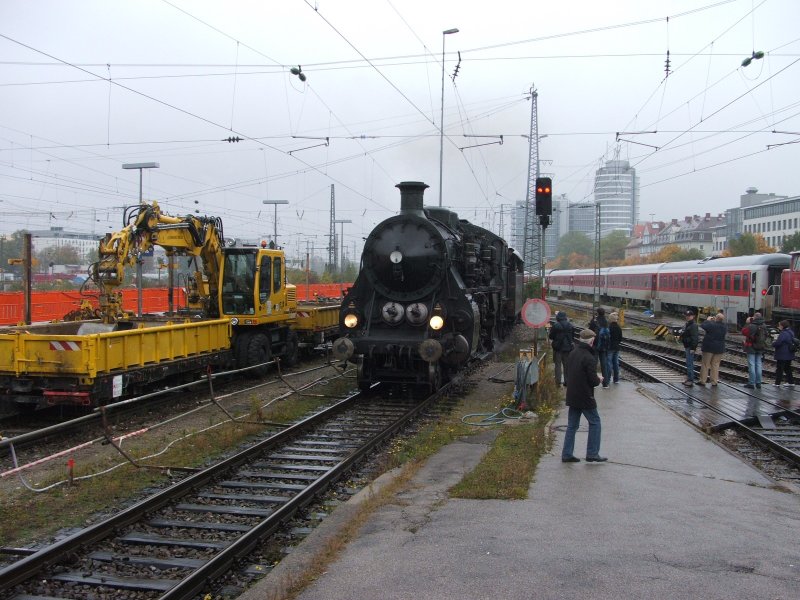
x=433, y=290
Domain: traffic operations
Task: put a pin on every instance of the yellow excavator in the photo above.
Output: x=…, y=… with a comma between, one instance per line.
x=245, y=284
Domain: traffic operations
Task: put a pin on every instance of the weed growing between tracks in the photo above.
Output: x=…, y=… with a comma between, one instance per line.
x=506, y=471
x=27, y=517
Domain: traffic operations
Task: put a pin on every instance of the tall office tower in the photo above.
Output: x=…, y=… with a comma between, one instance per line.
x=558, y=227
x=616, y=188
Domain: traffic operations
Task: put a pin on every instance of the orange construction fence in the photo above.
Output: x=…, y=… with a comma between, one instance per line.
x=53, y=305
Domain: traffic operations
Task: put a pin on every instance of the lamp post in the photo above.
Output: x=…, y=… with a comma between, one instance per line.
x=445, y=33
x=341, y=238
x=141, y=167
x=275, y=204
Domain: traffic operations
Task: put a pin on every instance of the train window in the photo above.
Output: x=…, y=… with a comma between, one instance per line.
x=719, y=281
x=683, y=282
x=702, y=282
x=728, y=282
x=737, y=281
x=696, y=284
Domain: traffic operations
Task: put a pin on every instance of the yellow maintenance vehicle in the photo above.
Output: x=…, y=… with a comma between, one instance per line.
x=241, y=313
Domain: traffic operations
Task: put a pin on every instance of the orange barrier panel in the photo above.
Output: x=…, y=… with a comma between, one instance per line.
x=53, y=305
x=316, y=291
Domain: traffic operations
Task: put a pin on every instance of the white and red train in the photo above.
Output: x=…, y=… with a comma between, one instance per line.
x=740, y=285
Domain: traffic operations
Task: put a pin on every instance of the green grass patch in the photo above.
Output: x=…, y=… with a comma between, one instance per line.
x=506, y=471
x=26, y=516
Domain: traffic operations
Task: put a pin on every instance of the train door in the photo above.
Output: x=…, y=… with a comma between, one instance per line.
x=653, y=286
x=752, y=297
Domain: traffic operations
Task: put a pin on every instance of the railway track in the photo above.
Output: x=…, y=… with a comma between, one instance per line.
x=181, y=541
x=733, y=347
x=766, y=431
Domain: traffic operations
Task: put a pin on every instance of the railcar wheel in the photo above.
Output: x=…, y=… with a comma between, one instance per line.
x=290, y=353
x=258, y=352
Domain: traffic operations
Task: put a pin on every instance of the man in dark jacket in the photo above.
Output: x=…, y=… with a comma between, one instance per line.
x=561, y=334
x=784, y=353
x=616, y=339
x=755, y=336
x=602, y=342
x=581, y=380
x=713, y=347
x=690, y=336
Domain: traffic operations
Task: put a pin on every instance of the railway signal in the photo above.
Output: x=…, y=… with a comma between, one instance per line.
x=544, y=196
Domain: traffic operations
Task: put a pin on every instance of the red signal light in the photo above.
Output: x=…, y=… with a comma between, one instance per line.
x=764, y=292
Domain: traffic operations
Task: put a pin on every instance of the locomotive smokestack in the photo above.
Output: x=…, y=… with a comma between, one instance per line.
x=411, y=193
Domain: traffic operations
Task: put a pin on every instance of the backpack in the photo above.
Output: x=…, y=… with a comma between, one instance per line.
x=759, y=338
x=795, y=344
x=603, y=339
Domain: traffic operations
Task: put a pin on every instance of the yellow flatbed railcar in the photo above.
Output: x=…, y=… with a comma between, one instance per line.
x=89, y=363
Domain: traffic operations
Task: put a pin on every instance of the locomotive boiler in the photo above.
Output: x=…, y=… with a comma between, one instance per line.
x=433, y=291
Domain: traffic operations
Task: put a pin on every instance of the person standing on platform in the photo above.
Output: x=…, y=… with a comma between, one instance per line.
x=561, y=336
x=713, y=347
x=616, y=340
x=784, y=353
x=755, y=342
x=690, y=336
x=602, y=342
x=581, y=380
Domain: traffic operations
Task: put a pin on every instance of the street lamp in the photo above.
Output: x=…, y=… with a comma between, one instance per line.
x=275, y=204
x=141, y=167
x=341, y=238
x=445, y=33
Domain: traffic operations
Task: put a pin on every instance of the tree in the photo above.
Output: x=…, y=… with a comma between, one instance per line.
x=612, y=247
x=791, y=243
x=575, y=242
x=674, y=253
x=61, y=255
x=746, y=244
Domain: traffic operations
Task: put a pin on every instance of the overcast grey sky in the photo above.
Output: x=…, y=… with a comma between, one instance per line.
x=86, y=86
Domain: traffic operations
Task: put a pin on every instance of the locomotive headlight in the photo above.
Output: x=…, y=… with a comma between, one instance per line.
x=436, y=322
x=351, y=320
x=234, y=321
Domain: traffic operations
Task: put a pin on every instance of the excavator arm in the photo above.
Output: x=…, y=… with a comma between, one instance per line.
x=200, y=237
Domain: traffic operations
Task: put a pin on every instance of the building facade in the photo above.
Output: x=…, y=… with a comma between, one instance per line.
x=774, y=220
x=616, y=188
x=57, y=237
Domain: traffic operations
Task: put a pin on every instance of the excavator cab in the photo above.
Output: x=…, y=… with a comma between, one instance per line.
x=253, y=288
x=238, y=282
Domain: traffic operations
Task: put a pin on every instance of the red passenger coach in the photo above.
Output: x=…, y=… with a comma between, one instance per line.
x=788, y=303
x=739, y=285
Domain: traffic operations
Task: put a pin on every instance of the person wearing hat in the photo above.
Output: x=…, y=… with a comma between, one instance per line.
x=561, y=334
x=690, y=336
x=581, y=380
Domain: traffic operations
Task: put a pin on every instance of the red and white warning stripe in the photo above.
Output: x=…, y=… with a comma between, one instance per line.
x=303, y=315
x=64, y=346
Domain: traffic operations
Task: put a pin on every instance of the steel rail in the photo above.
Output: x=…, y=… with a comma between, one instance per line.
x=196, y=582
x=787, y=453
x=30, y=565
